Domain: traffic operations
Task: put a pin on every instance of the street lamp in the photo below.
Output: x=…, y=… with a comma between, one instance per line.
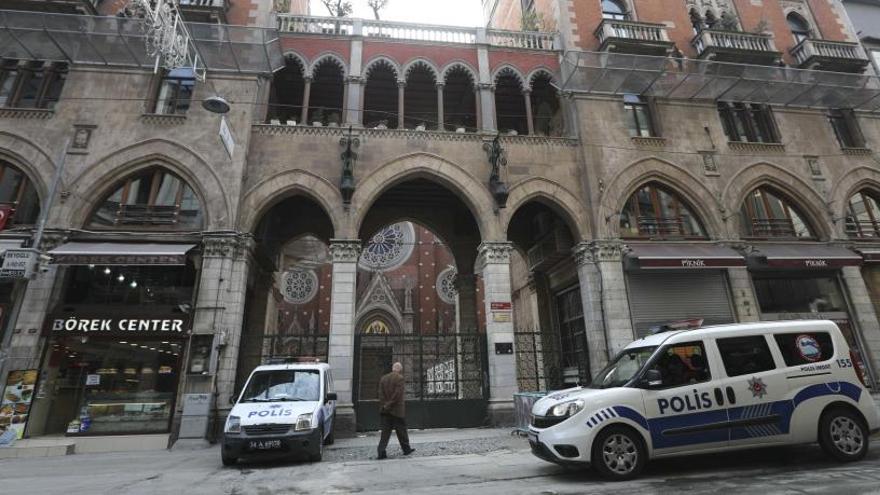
x=216, y=104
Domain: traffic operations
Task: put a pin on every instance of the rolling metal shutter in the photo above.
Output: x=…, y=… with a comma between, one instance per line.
x=657, y=298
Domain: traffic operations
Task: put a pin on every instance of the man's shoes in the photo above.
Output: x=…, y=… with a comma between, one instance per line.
x=409, y=451
x=381, y=456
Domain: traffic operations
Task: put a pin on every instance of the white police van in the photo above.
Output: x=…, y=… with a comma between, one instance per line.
x=710, y=390
x=285, y=410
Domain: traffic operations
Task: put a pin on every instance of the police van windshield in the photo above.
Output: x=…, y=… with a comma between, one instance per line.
x=624, y=368
x=283, y=386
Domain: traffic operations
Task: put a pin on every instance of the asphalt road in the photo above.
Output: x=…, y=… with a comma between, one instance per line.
x=485, y=462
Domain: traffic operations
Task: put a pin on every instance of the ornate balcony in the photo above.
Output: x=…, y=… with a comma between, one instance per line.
x=836, y=56
x=735, y=46
x=640, y=38
x=369, y=29
x=204, y=10
x=89, y=7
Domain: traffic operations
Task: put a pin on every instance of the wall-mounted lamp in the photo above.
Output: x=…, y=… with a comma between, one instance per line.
x=497, y=159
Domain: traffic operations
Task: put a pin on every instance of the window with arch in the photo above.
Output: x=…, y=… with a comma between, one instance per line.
x=799, y=27
x=614, y=9
x=863, y=215
x=656, y=212
x=766, y=213
x=154, y=199
x=18, y=194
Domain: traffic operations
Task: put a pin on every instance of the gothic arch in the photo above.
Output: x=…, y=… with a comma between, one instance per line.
x=855, y=180
x=262, y=196
x=412, y=64
x=470, y=190
x=382, y=59
x=507, y=69
x=674, y=177
x=530, y=78
x=558, y=198
x=304, y=63
x=803, y=195
x=28, y=157
x=444, y=72
x=177, y=158
x=336, y=58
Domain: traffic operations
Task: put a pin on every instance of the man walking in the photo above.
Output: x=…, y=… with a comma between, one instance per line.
x=392, y=393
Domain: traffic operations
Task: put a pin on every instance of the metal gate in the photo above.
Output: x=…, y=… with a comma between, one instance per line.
x=446, y=378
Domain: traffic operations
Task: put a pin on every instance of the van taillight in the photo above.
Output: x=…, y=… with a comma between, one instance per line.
x=857, y=365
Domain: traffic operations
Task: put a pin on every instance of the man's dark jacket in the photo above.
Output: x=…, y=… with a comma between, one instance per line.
x=392, y=390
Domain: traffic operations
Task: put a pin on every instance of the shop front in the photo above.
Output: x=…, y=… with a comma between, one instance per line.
x=116, y=337
x=795, y=282
x=669, y=282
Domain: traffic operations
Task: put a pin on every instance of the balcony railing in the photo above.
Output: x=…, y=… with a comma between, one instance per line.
x=415, y=32
x=773, y=227
x=862, y=228
x=203, y=3
x=830, y=55
x=662, y=227
x=147, y=215
x=633, y=37
x=735, y=46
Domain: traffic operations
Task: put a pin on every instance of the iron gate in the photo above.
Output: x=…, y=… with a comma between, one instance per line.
x=446, y=378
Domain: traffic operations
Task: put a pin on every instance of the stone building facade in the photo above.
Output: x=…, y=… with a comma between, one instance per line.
x=580, y=203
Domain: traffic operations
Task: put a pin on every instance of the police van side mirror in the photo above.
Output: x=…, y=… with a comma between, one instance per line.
x=652, y=379
x=330, y=396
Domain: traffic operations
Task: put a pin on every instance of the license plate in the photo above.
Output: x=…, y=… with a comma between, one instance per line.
x=533, y=437
x=265, y=444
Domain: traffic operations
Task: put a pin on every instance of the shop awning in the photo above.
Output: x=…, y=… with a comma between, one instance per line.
x=119, y=253
x=685, y=256
x=805, y=256
x=870, y=255
x=9, y=244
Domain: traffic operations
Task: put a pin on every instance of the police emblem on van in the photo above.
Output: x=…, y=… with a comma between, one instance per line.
x=756, y=385
x=808, y=348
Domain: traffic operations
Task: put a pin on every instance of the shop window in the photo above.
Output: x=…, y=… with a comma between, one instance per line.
x=655, y=212
x=745, y=355
x=683, y=364
x=162, y=288
x=767, y=214
x=573, y=337
x=787, y=294
x=175, y=92
x=31, y=84
x=18, y=194
x=748, y=122
x=639, y=116
x=846, y=128
x=804, y=348
x=800, y=28
x=153, y=199
x=614, y=9
x=863, y=215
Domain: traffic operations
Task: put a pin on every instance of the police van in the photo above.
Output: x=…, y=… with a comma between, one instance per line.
x=711, y=389
x=285, y=410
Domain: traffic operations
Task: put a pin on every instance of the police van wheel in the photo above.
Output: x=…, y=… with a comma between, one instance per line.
x=228, y=461
x=317, y=456
x=618, y=453
x=843, y=435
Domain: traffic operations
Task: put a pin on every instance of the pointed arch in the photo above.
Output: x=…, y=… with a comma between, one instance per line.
x=302, y=60
x=507, y=70
x=382, y=60
x=325, y=57
x=29, y=157
x=268, y=192
x=564, y=202
x=656, y=211
x=458, y=65
x=422, y=63
x=674, y=177
x=857, y=179
x=539, y=71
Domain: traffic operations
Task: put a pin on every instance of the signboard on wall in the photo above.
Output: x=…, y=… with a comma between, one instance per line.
x=115, y=325
x=18, y=263
x=15, y=405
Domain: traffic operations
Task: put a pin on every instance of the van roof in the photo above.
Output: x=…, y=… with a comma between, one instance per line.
x=733, y=330
x=293, y=366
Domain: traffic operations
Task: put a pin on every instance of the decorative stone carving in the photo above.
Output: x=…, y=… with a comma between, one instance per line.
x=233, y=246
x=82, y=136
x=607, y=251
x=583, y=254
x=299, y=286
x=345, y=251
x=495, y=252
x=389, y=248
x=710, y=167
x=445, y=285
x=813, y=165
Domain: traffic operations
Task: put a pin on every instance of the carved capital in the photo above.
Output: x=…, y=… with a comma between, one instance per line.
x=607, y=251
x=345, y=250
x=229, y=246
x=583, y=254
x=495, y=252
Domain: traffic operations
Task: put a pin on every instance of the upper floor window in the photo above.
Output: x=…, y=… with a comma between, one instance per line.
x=613, y=9
x=748, y=122
x=654, y=211
x=17, y=192
x=846, y=128
x=766, y=213
x=863, y=215
x=31, y=84
x=153, y=198
x=175, y=92
x=799, y=27
x=639, y=116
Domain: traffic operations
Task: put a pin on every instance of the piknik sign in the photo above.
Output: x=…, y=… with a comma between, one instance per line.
x=81, y=325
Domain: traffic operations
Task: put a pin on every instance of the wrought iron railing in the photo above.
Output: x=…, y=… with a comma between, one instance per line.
x=147, y=215
x=862, y=228
x=810, y=48
x=217, y=4
x=631, y=30
x=415, y=32
x=709, y=39
x=295, y=347
x=773, y=227
x=662, y=226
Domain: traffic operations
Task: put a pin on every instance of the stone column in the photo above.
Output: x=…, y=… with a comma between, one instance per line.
x=352, y=114
x=530, y=123
x=590, y=280
x=618, y=322
x=744, y=300
x=344, y=254
x=478, y=108
x=354, y=101
x=864, y=318
x=440, y=87
x=494, y=258
x=486, y=99
x=488, y=121
x=307, y=91
x=401, y=92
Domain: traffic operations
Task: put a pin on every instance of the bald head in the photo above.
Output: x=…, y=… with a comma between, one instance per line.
x=397, y=368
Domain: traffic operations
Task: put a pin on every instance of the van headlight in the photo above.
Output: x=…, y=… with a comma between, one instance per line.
x=233, y=424
x=303, y=422
x=567, y=409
